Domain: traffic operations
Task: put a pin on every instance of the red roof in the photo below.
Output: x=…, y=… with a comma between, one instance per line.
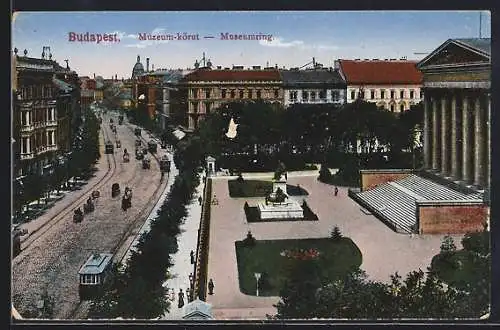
x=233, y=75
x=381, y=72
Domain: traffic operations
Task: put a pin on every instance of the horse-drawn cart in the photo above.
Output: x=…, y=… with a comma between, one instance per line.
x=127, y=199
x=146, y=164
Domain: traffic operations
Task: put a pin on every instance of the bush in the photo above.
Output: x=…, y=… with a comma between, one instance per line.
x=335, y=234
x=324, y=174
x=249, y=241
x=448, y=245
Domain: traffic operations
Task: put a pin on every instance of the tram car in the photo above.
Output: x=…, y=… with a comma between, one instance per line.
x=93, y=274
x=16, y=239
x=146, y=164
x=109, y=149
x=137, y=131
x=118, y=144
x=152, y=147
x=115, y=190
x=120, y=120
x=165, y=164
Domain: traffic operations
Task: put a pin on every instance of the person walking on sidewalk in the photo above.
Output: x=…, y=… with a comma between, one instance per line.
x=192, y=257
x=336, y=191
x=210, y=287
x=200, y=200
x=181, y=299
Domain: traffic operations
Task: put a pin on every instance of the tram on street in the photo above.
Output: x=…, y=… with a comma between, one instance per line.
x=165, y=164
x=109, y=148
x=93, y=274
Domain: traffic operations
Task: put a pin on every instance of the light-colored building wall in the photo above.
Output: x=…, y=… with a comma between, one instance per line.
x=383, y=97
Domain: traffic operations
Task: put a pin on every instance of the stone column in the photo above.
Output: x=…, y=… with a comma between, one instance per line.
x=435, y=137
x=466, y=141
x=427, y=134
x=488, y=141
x=444, y=138
x=454, y=138
x=479, y=143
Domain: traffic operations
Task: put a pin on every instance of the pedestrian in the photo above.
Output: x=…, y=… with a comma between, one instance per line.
x=172, y=295
x=210, y=287
x=192, y=257
x=188, y=296
x=336, y=191
x=200, y=200
x=191, y=278
x=181, y=299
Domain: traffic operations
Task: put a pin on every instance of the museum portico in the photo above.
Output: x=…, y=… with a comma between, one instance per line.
x=457, y=103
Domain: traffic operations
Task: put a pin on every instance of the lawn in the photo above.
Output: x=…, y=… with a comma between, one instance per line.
x=259, y=188
x=336, y=258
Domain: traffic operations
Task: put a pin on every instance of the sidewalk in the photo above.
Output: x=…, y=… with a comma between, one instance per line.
x=182, y=267
x=69, y=196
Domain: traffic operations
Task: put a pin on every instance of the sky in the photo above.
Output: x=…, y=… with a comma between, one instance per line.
x=296, y=37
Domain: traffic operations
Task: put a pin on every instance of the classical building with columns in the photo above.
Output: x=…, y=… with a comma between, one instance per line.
x=449, y=195
x=457, y=103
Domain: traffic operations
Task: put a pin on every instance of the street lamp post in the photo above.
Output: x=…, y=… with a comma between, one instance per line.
x=257, y=278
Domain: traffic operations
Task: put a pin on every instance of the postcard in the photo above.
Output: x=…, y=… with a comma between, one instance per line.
x=251, y=165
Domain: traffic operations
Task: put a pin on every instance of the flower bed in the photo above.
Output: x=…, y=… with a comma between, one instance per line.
x=300, y=254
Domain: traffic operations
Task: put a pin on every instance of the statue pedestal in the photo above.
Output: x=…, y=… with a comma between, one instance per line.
x=278, y=184
x=289, y=209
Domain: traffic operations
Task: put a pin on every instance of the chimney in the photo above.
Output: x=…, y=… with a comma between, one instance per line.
x=147, y=64
x=94, y=76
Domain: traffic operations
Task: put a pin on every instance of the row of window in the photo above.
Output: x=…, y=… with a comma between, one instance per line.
x=383, y=95
x=41, y=115
x=28, y=144
x=208, y=106
x=37, y=92
x=312, y=95
x=232, y=94
x=90, y=279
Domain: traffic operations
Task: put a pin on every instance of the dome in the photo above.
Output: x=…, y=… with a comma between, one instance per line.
x=138, y=68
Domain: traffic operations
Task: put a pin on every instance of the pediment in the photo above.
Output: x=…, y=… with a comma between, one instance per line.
x=451, y=54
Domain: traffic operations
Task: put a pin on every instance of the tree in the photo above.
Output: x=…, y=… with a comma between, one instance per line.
x=298, y=294
x=335, y=234
x=447, y=245
x=324, y=174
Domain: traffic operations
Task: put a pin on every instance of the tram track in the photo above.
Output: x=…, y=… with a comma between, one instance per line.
x=128, y=237
x=35, y=235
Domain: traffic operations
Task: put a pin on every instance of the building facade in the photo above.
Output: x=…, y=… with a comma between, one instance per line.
x=208, y=89
x=34, y=114
x=392, y=84
x=313, y=86
x=457, y=120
